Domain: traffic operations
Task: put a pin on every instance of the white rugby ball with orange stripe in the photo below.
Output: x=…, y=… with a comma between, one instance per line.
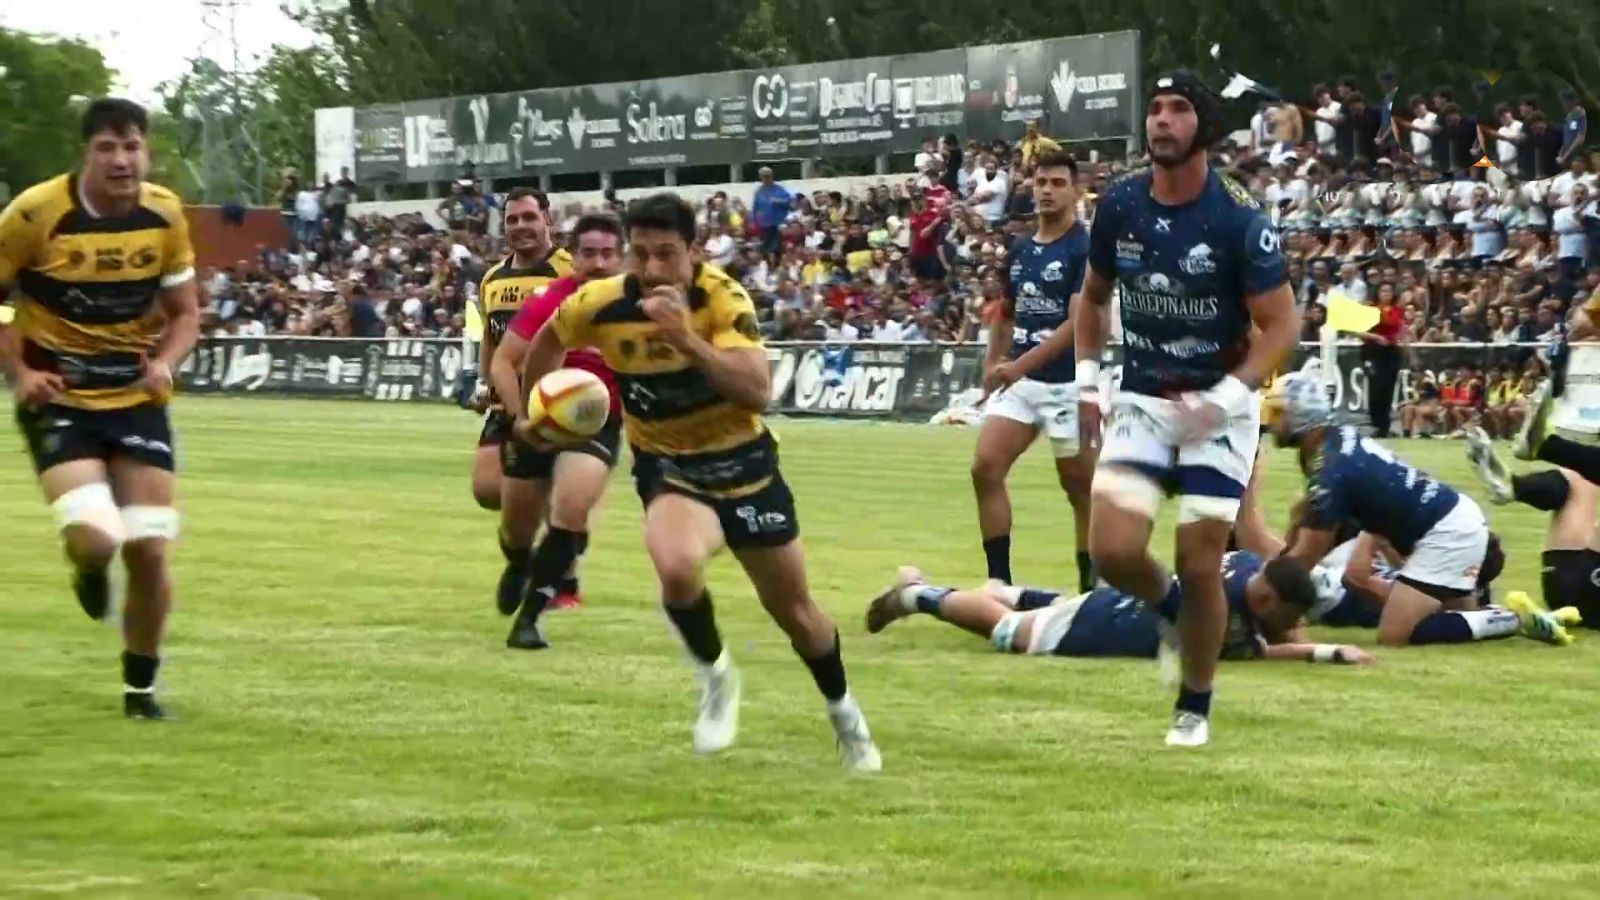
x=569, y=406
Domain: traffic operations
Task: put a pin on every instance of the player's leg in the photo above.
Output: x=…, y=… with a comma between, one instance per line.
x=525, y=476
x=1250, y=529
x=1074, y=469
x=68, y=456
x=1571, y=555
x=978, y=611
x=680, y=534
x=582, y=474
x=763, y=531
x=145, y=488
x=578, y=482
x=486, y=462
x=1010, y=424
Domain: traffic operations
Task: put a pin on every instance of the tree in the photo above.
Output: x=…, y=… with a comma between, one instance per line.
x=39, y=115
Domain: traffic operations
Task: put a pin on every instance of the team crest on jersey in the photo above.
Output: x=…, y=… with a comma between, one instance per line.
x=1016, y=271
x=1198, y=261
x=1052, y=272
x=1130, y=249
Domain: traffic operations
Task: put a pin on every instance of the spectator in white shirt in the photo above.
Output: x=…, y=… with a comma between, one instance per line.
x=1572, y=243
x=839, y=330
x=1424, y=126
x=1329, y=114
x=1483, y=223
x=967, y=176
x=1351, y=282
x=719, y=248
x=990, y=186
x=1508, y=139
x=884, y=329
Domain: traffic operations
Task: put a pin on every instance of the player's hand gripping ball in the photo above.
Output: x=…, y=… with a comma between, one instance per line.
x=568, y=406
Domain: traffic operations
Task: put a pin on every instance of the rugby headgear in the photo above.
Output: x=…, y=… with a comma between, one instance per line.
x=1305, y=404
x=1207, y=108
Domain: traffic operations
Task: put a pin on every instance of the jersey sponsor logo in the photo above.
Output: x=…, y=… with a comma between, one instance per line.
x=1268, y=240
x=142, y=443
x=108, y=259
x=1032, y=302
x=1198, y=260
x=1052, y=272
x=1189, y=347
x=1130, y=249
x=762, y=522
x=1162, y=304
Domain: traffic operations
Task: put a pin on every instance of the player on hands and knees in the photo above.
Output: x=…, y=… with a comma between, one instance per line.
x=1571, y=557
x=107, y=308
x=1198, y=267
x=682, y=337
x=1267, y=603
x=532, y=265
x=1031, y=393
x=1451, y=557
x=572, y=477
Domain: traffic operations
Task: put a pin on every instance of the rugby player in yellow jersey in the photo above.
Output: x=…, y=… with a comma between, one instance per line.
x=499, y=480
x=681, y=336
x=107, y=307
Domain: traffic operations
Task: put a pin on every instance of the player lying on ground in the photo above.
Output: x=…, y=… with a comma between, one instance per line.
x=1029, y=394
x=498, y=480
x=1267, y=602
x=1571, y=556
x=682, y=337
x=1450, y=554
x=107, y=308
x=569, y=481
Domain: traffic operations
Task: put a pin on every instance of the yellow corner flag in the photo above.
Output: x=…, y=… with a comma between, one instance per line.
x=1345, y=314
x=6, y=314
x=474, y=323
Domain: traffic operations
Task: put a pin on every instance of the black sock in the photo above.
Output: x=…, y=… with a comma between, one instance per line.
x=568, y=585
x=1197, y=702
x=139, y=672
x=549, y=565
x=1032, y=599
x=828, y=671
x=930, y=600
x=1582, y=459
x=515, y=556
x=997, y=550
x=1547, y=490
x=697, y=625
x=1085, y=572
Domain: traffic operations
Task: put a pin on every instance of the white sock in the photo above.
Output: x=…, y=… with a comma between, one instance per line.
x=723, y=664
x=847, y=702
x=908, y=597
x=1491, y=622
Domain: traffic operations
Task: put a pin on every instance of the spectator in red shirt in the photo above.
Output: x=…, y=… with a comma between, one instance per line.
x=1461, y=398
x=1380, y=353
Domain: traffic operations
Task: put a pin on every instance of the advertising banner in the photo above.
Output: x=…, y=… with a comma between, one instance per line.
x=380, y=151
x=930, y=97
x=1093, y=87
x=855, y=107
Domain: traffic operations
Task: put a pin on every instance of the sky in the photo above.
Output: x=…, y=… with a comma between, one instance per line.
x=152, y=41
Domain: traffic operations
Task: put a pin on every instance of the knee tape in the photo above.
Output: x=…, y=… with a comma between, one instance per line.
x=1127, y=490
x=93, y=506
x=1005, y=631
x=146, y=522
x=1202, y=509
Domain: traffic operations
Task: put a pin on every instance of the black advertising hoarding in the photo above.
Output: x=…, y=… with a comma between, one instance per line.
x=783, y=112
x=1093, y=87
x=594, y=127
x=1008, y=86
x=693, y=120
x=483, y=130
x=380, y=144
x=431, y=140
x=930, y=97
x=854, y=106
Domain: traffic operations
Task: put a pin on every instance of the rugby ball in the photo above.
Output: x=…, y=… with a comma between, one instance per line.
x=569, y=406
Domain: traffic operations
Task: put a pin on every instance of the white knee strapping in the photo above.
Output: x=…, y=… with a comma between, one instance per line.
x=1128, y=490
x=90, y=505
x=145, y=522
x=1005, y=631
x=1206, y=509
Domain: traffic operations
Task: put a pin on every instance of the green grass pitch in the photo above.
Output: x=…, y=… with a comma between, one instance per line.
x=351, y=724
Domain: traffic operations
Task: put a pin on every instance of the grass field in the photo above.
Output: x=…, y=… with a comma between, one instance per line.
x=351, y=724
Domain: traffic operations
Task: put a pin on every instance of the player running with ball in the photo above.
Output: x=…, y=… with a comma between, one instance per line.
x=682, y=337
x=566, y=480
x=1198, y=266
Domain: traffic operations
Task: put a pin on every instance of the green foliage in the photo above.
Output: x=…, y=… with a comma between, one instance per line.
x=38, y=118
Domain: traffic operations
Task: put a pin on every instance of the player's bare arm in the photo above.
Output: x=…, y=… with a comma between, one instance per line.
x=1000, y=335
x=1358, y=574
x=1090, y=324
x=1277, y=330
x=1344, y=654
x=545, y=355
x=180, y=304
x=740, y=374
x=504, y=374
x=1311, y=545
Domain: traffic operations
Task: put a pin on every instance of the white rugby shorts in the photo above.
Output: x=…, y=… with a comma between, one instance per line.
x=1451, y=553
x=1141, y=434
x=1052, y=409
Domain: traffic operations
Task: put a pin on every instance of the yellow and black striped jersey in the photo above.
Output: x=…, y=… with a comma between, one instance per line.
x=86, y=286
x=504, y=287
x=669, y=407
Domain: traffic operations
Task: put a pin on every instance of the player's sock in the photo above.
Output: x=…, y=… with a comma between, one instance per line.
x=924, y=598
x=827, y=671
x=1547, y=490
x=139, y=673
x=1580, y=458
x=997, y=550
x=697, y=625
x=1464, y=627
x=550, y=564
x=1085, y=572
x=568, y=585
x=1197, y=702
x=515, y=556
x=1032, y=599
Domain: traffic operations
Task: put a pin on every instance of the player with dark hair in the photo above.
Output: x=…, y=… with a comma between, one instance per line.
x=682, y=337
x=107, y=308
x=1267, y=604
x=1207, y=314
x=1451, y=557
x=1029, y=371
x=567, y=480
x=532, y=264
x=1571, y=555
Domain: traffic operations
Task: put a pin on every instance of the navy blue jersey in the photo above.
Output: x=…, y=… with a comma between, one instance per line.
x=1042, y=280
x=1111, y=623
x=1184, y=273
x=1243, y=637
x=1573, y=128
x=1357, y=478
